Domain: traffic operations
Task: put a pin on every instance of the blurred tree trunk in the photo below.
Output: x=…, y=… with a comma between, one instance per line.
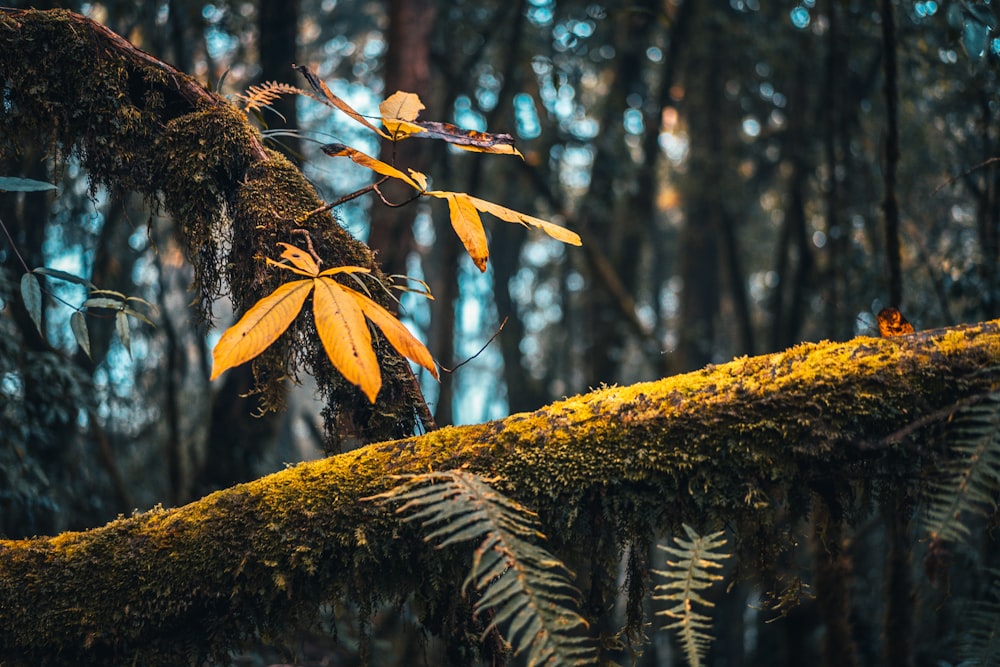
x=408, y=68
x=794, y=263
x=704, y=101
x=277, y=32
x=611, y=234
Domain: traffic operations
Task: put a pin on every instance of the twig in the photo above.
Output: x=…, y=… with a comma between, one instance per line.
x=13, y=246
x=984, y=163
x=393, y=204
x=309, y=243
x=343, y=200
x=487, y=344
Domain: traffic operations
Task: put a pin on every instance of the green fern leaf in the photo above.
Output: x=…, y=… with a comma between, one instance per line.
x=685, y=577
x=981, y=640
x=528, y=590
x=971, y=479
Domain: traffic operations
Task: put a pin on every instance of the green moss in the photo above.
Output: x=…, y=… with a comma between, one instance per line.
x=750, y=444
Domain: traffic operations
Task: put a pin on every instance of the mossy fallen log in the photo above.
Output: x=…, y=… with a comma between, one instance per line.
x=745, y=444
x=139, y=125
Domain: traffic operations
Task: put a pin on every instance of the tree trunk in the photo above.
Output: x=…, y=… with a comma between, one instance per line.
x=407, y=68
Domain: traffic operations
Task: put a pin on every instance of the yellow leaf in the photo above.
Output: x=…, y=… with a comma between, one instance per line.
x=321, y=88
x=497, y=148
x=420, y=178
x=300, y=259
x=504, y=213
x=288, y=267
x=344, y=269
x=396, y=333
x=260, y=326
x=401, y=129
x=337, y=150
x=399, y=106
x=466, y=223
x=345, y=336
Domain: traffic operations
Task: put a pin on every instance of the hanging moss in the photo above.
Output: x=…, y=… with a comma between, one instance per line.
x=137, y=124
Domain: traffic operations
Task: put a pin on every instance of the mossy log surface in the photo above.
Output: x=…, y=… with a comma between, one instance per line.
x=734, y=444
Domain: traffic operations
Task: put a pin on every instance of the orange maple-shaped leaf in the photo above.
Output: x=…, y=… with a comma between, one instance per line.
x=260, y=326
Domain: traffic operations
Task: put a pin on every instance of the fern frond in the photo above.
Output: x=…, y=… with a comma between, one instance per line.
x=971, y=479
x=260, y=96
x=527, y=588
x=981, y=639
x=685, y=579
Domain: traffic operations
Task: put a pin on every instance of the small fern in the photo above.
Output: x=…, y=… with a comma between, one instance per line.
x=686, y=577
x=258, y=97
x=971, y=479
x=525, y=586
x=981, y=639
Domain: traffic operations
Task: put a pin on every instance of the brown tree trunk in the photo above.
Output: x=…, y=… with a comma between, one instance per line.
x=278, y=30
x=407, y=68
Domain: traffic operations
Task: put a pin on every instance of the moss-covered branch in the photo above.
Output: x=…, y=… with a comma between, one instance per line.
x=137, y=124
x=740, y=443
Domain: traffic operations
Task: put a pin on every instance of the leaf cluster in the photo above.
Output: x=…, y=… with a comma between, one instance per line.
x=339, y=313
x=399, y=117
x=121, y=305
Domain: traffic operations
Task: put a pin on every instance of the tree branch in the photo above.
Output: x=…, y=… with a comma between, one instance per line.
x=258, y=558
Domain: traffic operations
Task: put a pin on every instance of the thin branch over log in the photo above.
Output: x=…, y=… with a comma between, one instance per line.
x=740, y=443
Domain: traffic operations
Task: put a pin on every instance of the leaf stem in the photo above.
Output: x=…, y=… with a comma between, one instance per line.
x=343, y=200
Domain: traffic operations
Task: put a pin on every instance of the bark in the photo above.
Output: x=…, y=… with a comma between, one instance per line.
x=829, y=419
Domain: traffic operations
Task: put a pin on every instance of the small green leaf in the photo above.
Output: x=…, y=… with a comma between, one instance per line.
x=140, y=300
x=14, y=184
x=62, y=275
x=137, y=315
x=102, y=302
x=78, y=323
x=31, y=292
x=121, y=326
x=108, y=292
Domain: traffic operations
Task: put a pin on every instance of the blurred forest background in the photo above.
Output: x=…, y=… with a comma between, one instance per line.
x=731, y=167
